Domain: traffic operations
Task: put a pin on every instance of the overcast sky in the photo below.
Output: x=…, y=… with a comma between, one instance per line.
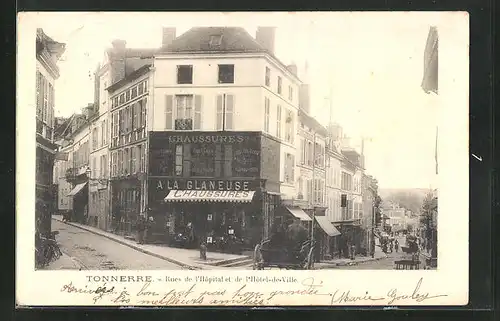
x=371, y=62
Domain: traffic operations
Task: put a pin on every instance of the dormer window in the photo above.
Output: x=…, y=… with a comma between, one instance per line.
x=215, y=40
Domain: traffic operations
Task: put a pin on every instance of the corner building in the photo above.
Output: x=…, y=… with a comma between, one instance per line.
x=226, y=109
x=218, y=181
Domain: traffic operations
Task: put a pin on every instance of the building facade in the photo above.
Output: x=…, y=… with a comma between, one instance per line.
x=48, y=53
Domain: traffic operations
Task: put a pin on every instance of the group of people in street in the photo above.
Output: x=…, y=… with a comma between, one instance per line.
x=289, y=234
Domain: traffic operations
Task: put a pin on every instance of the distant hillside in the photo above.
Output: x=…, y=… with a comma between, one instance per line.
x=409, y=198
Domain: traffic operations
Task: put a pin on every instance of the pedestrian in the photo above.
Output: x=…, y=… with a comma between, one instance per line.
x=141, y=228
x=396, y=246
x=391, y=244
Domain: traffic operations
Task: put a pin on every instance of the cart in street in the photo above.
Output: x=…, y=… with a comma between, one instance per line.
x=290, y=257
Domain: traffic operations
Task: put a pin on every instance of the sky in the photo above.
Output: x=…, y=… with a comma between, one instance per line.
x=364, y=70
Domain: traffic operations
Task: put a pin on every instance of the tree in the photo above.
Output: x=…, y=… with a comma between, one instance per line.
x=428, y=220
x=376, y=208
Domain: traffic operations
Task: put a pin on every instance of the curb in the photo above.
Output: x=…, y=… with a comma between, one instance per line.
x=352, y=263
x=182, y=264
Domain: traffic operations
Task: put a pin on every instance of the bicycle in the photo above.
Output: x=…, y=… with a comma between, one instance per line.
x=46, y=250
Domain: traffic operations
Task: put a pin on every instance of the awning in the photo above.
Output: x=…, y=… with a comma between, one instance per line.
x=299, y=213
x=77, y=189
x=209, y=196
x=327, y=226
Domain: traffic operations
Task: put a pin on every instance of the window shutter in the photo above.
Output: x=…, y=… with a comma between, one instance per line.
x=229, y=111
x=219, y=112
x=143, y=104
x=168, y=112
x=197, y=112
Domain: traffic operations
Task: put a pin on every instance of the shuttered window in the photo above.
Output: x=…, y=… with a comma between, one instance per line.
x=266, y=114
x=169, y=112
x=219, y=112
x=278, y=121
x=229, y=112
x=225, y=112
x=197, y=112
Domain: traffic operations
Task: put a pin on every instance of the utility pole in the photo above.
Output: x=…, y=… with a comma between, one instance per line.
x=314, y=181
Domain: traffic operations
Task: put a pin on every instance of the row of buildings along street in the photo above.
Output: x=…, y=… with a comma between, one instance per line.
x=210, y=131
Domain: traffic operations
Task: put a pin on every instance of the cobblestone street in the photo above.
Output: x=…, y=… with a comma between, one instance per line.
x=94, y=252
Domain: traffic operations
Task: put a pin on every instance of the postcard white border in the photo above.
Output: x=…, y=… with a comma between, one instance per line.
x=451, y=279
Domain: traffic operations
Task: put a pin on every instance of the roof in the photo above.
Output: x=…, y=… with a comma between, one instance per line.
x=52, y=46
x=312, y=123
x=234, y=39
x=129, y=76
x=198, y=39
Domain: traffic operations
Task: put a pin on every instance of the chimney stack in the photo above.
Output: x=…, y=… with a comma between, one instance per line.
x=118, y=60
x=304, y=98
x=168, y=36
x=265, y=37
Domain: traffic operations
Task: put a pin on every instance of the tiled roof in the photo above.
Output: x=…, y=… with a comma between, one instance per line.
x=235, y=39
x=312, y=122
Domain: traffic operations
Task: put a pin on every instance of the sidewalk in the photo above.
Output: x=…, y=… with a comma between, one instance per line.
x=348, y=262
x=186, y=258
x=64, y=263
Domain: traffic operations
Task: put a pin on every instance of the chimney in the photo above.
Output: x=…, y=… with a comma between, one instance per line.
x=97, y=86
x=118, y=60
x=292, y=68
x=265, y=37
x=304, y=98
x=168, y=36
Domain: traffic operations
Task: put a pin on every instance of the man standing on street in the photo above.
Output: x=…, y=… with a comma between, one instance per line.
x=141, y=228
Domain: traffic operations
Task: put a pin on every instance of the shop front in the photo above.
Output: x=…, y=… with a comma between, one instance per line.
x=125, y=205
x=207, y=210
x=208, y=187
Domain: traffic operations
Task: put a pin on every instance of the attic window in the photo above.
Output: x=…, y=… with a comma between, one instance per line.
x=215, y=40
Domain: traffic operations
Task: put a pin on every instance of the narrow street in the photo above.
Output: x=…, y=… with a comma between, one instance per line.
x=95, y=252
x=382, y=264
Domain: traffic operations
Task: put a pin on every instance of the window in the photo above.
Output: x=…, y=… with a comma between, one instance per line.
x=114, y=164
x=302, y=151
x=278, y=121
x=126, y=162
x=179, y=159
x=134, y=92
x=310, y=153
x=94, y=138
x=140, y=89
x=309, y=190
x=104, y=132
x=289, y=127
x=140, y=159
x=184, y=74
x=289, y=168
x=121, y=128
x=215, y=40
x=104, y=166
x=266, y=114
x=184, y=112
x=120, y=163
x=146, y=88
x=225, y=112
x=94, y=172
x=268, y=76
x=226, y=74
x=133, y=160
x=169, y=112
x=279, y=85
x=290, y=93
x=137, y=115
x=143, y=104
x=39, y=94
